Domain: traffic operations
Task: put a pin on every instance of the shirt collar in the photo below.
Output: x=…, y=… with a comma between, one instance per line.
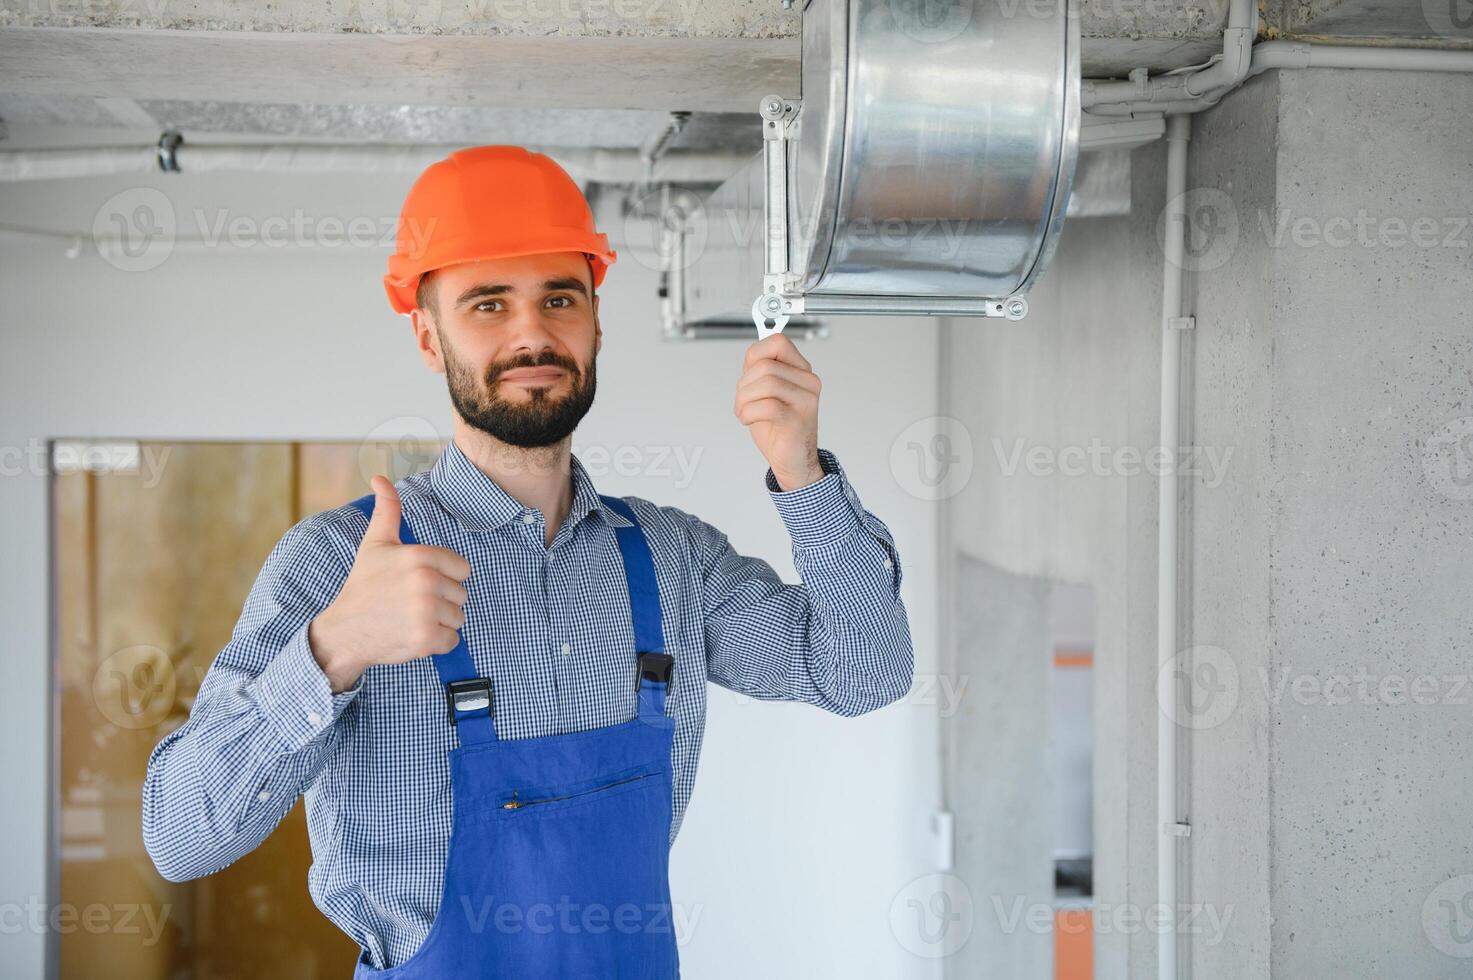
x=479, y=503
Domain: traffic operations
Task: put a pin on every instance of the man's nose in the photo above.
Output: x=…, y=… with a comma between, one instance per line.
x=529, y=332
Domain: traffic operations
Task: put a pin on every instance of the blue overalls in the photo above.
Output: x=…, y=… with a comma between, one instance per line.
x=559, y=849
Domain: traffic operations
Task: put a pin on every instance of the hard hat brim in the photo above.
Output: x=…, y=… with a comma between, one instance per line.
x=402, y=281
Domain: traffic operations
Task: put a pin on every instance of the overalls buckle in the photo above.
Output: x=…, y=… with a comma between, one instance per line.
x=659, y=667
x=468, y=695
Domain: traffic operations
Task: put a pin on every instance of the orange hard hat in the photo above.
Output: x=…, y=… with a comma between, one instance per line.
x=490, y=202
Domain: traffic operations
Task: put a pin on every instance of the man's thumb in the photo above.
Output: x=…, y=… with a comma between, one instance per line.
x=383, y=527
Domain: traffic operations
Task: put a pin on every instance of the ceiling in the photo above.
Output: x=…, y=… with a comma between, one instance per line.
x=586, y=73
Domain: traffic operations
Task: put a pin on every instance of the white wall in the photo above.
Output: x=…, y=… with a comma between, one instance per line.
x=803, y=826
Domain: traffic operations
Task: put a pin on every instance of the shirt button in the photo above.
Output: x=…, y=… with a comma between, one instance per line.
x=263, y=796
x=314, y=719
x=528, y=517
x=567, y=649
x=889, y=563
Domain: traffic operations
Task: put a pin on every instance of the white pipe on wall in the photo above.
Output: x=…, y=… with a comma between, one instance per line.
x=1242, y=59
x=1178, y=132
x=1293, y=54
x=1146, y=94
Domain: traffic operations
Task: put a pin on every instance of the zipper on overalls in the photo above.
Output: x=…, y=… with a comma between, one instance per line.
x=516, y=804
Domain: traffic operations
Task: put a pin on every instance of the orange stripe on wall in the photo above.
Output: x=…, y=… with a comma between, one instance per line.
x=1075, y=657
x=1074, y=947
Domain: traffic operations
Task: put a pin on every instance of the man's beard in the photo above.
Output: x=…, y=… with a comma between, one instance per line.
x=544, y=419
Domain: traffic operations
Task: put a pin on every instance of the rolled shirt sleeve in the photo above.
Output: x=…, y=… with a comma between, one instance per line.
x=261, y=726
x=295, y=695
x=841, y=639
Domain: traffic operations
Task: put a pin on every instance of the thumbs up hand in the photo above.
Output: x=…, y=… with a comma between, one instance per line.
x=399, y=602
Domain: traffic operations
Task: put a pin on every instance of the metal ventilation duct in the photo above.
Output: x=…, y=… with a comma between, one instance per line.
x=926, y=169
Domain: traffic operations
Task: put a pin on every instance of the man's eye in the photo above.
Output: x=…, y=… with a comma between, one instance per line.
x=481, y=306
x=565, y=299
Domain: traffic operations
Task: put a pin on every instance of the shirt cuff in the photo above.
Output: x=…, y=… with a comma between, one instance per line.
x=824, y=512
x=296, y=696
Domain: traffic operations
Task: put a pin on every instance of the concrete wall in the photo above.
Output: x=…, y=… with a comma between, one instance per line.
x=1225, y=542
x=1326, y=524
x=804, y=826
x=999, y=772
x=1335, y=351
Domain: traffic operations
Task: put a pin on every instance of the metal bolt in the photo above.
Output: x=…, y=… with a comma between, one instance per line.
x=1016, y=308
x=773, y=304
x=774, y=107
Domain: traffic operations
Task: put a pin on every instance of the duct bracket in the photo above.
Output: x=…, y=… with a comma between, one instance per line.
x=771, y=310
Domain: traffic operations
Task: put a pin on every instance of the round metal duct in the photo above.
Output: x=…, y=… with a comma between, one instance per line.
x=930, y=156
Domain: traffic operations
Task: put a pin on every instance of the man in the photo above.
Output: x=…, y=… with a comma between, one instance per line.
x=489, y=680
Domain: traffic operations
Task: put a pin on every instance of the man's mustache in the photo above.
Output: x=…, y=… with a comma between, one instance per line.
x=552, y=361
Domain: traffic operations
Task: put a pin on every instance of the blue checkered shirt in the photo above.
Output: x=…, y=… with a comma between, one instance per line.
x=550, y=626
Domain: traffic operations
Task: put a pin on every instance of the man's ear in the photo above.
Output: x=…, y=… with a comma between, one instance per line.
x=427, y=339
x=598, y=331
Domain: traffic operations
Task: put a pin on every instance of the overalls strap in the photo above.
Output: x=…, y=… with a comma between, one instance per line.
x=466, y=692
x=654, y=668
